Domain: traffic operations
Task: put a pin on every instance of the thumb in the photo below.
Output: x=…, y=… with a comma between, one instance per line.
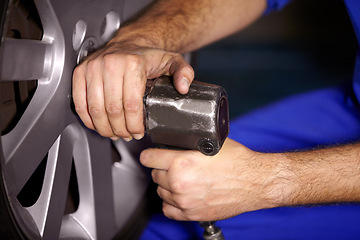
x=160, y=62
x=183, y=76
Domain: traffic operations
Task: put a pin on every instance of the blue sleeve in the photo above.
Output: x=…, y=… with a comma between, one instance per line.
x=275, y=5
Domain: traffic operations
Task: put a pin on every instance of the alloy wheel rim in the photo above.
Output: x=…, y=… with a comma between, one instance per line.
x=110, y=182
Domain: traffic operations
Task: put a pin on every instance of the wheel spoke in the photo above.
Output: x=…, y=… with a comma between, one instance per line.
x=43, y=120
x=71, y=227
x=24, y=59
x=48, y=211
x=27, y=147
x=128, y=176
x=85, y=213
x=102, y=185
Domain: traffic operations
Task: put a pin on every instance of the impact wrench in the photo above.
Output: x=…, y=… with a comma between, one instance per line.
x=198, y=120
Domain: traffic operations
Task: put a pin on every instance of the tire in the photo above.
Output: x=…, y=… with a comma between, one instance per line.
x=60, y=180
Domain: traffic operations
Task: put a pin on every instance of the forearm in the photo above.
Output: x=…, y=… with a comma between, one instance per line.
x=182, y=26
x=321, y=176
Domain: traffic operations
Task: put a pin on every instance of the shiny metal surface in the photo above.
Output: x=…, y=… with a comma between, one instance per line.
x=211, y=231
x=110, y=186
x=198, y=120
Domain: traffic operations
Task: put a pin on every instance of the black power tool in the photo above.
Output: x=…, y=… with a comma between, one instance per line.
x=198, y=120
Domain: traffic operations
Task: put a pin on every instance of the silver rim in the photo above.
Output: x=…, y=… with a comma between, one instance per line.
x=47, y=139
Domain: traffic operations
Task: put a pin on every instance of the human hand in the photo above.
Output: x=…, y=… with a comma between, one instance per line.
x=195, y=187
x=108, y=87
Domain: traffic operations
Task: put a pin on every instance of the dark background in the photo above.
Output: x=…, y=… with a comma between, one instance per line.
x=310, y=44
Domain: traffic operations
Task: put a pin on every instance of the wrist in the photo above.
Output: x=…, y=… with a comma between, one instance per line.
x=137, y=36
x=279, y=184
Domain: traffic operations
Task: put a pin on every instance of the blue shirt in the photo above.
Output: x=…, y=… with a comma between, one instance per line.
x=353, y=7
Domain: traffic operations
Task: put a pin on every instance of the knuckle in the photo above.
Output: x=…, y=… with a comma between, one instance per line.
x=132, y=106
x=167, y=212
x=179, y=179
x=109, y=62
x=177, y=55
x=114, y=109
x=133, y=61
x=154, y=177
x=96, y=111
x=182, y=203
x=77, y=73
x=92, y=65
x=182, y=162
x=158, y=190
x=177, y=186
x=80, y=108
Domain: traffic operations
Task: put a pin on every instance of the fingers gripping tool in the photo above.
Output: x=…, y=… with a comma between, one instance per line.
x=198, y=120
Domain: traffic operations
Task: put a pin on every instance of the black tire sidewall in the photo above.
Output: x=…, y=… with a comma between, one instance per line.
x=8, y=227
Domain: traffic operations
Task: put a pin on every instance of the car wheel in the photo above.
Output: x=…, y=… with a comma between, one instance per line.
x=60, y=180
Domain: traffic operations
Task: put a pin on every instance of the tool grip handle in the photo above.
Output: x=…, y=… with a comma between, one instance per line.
x=198, y=120
x=211, y=231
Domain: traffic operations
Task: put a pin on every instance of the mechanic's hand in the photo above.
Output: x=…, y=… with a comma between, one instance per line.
x=201, y=188
x=108, y=87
